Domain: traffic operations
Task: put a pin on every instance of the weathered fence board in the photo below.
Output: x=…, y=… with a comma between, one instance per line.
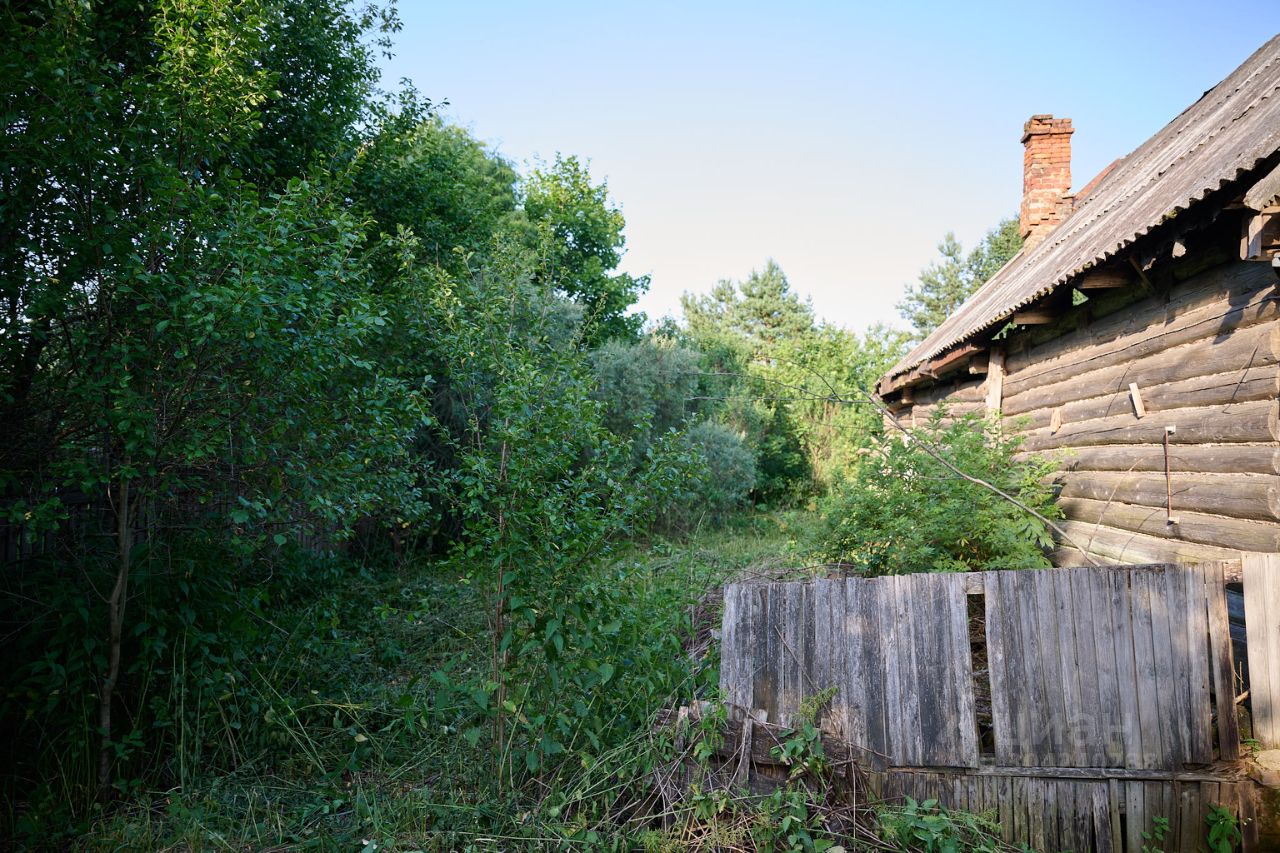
x=1112, y=689
x=1262, y=621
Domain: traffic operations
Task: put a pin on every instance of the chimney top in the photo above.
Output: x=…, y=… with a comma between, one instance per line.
x=1046, y=176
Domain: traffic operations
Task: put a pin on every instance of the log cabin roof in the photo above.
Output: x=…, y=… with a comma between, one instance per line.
x=1229, y=131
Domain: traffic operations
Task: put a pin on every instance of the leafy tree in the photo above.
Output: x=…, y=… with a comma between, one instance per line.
x=579, y=231
x=180, y=341
x=435, y=181
x=946, y=283
x=811, y=368
x=647, y=388
x=762, y=309
x=904, y=511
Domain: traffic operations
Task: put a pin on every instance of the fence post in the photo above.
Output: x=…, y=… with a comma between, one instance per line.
x=1262, y=624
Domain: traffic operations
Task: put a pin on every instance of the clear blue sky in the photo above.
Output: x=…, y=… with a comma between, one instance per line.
x=841, y=139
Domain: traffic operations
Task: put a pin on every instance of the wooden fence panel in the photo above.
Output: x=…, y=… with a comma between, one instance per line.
x=1104, y=687
x=1262, y=622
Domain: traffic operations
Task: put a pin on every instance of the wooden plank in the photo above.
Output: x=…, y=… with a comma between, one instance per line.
x=858, y=627
x=1047, y=640
x=907, y=651
x=895, y=718
x=1005, y=807
x=1189, y=837
x=1209, y=796
x=995, y=380
x=1063, y=819
x=928, y=680
x=1222, y=661
x=1135, y=816
x=1200, y=715
x=1094, y=718
x=1135, y=397
x=791, y=666
x=1078, y=719
x=1262, y=625
x=1249, y=819
x=1145, y=684
x=964, y=705
x=1035, y=735
x=875, y=708
x=1117, y=584
x=1110, y=747
x=1170, y=714
x=762, y=692
x=1021, y=809
x=1036, y=835
x=826, y=659
x=997, y=618
x=1115, y=802
x=1100, y=807
x=1153, y=795
x=735, y=652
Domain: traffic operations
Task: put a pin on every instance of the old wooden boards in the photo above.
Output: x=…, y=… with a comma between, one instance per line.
x=896, y=649
x=1080, y=815
x=1262, y=621
x=1111, y=689
x=1089, y=667
x=1099, y=667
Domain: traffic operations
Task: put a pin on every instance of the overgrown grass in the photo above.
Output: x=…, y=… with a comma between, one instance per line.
x=361, y=742
x=364, y=738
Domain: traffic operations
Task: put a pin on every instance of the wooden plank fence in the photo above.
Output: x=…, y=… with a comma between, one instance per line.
x=1262, y=622
x=1107, y=694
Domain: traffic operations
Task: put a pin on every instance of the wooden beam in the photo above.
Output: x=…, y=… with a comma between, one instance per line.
x=995, y=380
x=1135, y=397
x=1035, y=317
x=1104, y=280
x=1143, y=281
x=1251, y=238
x=1264, y=191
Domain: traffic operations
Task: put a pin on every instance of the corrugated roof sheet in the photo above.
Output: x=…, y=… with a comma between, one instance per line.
x=1229, y=131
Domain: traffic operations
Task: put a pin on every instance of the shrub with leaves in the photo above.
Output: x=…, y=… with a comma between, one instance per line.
x=904, y=511
x=727, y=476
x=646, y=387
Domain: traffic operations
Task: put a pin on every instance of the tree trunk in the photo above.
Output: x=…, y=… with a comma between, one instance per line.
x=116, y=605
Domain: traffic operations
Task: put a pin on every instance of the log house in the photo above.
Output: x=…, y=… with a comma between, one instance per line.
x=1136, y=336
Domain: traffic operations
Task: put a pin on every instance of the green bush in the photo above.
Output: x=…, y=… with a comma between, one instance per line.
x=904, y=511
x=729, y=474
x=646, y=388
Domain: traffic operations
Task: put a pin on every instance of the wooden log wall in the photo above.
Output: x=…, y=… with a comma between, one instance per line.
x=1204, y=357
x=1109, y=692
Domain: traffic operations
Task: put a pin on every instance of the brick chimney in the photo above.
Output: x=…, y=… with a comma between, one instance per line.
x=1046, y=176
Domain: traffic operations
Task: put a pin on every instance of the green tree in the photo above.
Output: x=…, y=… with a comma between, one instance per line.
x=578, y=230
x=905, y=511
x=437, y=182
x=762, y=310
x=946, y=283
x=187, y=324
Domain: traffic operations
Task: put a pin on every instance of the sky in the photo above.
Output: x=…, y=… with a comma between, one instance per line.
x=841, y=139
